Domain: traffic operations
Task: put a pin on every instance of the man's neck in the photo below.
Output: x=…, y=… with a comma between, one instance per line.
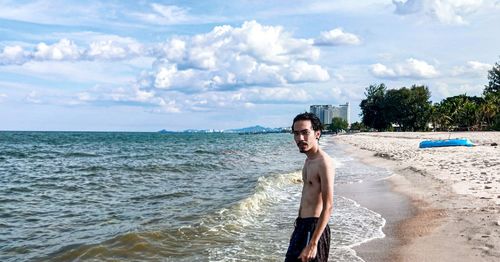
x=313, y=153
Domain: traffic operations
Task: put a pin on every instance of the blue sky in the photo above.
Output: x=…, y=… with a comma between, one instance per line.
x=151, y=65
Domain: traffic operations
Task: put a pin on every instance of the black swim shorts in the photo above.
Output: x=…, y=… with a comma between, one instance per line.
x=304, y=229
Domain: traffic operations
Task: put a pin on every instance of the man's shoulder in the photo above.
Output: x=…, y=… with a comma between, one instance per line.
x=326, y=159
x=324, y=162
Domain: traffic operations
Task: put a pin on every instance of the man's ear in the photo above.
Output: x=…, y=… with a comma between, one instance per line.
x=318, y=134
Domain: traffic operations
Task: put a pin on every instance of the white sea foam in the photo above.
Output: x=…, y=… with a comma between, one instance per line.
x=268, y=191
x=269, y=213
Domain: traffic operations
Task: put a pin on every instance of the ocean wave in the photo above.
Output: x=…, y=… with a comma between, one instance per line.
x=267, y=192
x=80, y=154
x=13, y=154
x=159, y=196
x=192, y=242
x=360, y=223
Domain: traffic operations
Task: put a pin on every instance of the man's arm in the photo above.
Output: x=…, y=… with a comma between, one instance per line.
x=326, y=173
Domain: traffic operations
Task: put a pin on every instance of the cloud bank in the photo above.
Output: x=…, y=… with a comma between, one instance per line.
x=67, y=50
x=228, y=67
x=229, y=58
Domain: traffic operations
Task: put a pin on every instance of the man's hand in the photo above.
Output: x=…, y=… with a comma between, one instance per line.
x=309, y=252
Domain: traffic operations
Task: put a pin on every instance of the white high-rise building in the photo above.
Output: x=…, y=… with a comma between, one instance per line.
x=325, y=113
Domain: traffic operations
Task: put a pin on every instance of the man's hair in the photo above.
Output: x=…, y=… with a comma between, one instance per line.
x=315, y=122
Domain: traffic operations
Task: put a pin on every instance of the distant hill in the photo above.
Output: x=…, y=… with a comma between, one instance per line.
x=255, y=129
x=163, y=131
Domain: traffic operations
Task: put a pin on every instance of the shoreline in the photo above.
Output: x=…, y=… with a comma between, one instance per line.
x=378, y=196
x=426, y=219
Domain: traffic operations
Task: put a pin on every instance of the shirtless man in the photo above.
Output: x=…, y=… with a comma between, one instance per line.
x=310, y=239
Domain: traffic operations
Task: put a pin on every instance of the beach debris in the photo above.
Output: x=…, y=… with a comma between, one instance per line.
x=493, y=144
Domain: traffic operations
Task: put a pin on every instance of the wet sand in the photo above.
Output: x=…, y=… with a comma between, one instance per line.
x=441, y=204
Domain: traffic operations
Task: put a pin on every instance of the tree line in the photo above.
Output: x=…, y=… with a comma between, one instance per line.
x=409, y=109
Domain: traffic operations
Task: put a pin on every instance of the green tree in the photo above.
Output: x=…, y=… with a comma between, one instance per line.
x=419, y=108
x=409, y=108
x=493, y=80
x=461, y=112
x=442, y=116
x=338, y=124
x=490, y=110
x=468, y=116
x=372, y=108
x=396, y=106
x=358, y=126
x=434, y=116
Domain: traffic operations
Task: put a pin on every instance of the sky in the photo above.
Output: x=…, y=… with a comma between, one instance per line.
x=176, y=65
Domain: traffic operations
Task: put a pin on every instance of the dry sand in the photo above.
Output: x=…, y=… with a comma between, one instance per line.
x=454, y=194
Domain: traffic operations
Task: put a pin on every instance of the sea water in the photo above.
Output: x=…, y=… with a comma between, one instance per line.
x=165, y=197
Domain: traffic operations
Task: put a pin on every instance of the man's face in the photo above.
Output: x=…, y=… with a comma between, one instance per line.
x=305, y=137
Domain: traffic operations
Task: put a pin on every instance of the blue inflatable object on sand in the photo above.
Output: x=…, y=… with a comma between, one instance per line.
x=446, y=142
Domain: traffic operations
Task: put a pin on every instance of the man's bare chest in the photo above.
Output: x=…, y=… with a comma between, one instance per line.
x=310, y=174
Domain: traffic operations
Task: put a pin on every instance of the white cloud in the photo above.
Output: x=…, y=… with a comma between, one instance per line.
x=33, y=97
x=247, y=98
x=380, y=70
x=472, y=68
x=63, y=50
x=301, y=71
x=164, y=15
x=339, y=77
x=281, y=95
x=126, y=96
x=175, y=102
x=225, y=68
x=2, y=97
x=110, y=50
x=67, y=71
x=249, y=105
x=441, y=90
x=318, y=7
x=337, y=37
x=44, y=12
x=411, y=68
x=445, y=11
x=164, y=77
x=228, y=58
x=13, y=55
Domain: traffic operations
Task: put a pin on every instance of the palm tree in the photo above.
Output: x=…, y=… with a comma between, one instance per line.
x=491, y=109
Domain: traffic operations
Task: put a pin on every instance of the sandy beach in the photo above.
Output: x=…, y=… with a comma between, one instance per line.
x=441, y=204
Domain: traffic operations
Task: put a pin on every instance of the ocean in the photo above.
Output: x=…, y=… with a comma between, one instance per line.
x=110, y=196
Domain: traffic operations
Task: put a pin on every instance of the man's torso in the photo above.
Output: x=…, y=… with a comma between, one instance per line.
x=311, y=202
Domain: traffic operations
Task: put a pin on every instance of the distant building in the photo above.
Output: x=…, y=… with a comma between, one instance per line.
x=325, y=113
